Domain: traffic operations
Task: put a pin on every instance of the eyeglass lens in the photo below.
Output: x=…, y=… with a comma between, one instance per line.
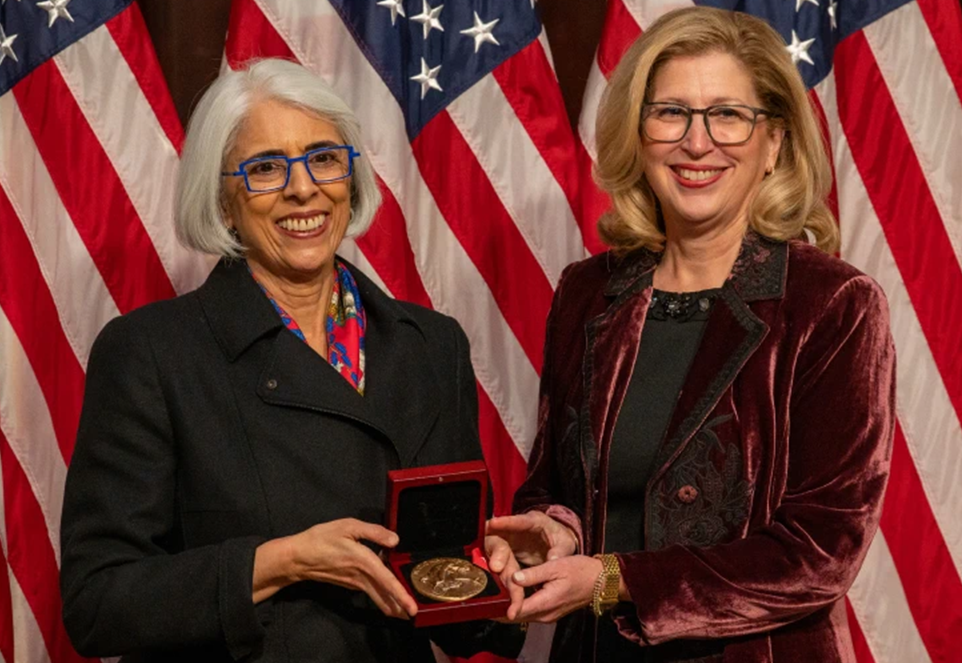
x=324, y=165
x=726, y=124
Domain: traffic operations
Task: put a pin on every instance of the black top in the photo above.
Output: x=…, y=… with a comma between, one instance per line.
x=672, y=331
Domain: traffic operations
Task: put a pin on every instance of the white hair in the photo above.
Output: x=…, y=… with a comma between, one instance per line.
x=212, y=132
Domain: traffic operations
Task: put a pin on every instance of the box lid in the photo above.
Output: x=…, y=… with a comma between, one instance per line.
x=438, y=507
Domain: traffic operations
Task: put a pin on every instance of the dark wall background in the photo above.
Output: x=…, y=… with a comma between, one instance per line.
x=189, y=38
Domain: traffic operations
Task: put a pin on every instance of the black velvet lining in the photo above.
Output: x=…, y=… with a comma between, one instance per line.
x=439, y=519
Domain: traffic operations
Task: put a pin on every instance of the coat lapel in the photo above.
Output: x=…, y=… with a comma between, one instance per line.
x=610, y=354
x=400, y=401
x=402, y=386
x=731, y=336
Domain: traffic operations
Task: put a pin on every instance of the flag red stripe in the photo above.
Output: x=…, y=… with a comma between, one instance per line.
x=477, y=217
x=29, y=306
x=6, y=611
x=827, y=137
x=944, y=18
x=543, y=116
x=388, y=248
x=130, y=34
x=251, y=35
x=929, y=578
x=901, y=198
x=506, y=466
x=594, y=202
x=620, y=31
x=90, y=190
x=31, y=557
x=862, y=652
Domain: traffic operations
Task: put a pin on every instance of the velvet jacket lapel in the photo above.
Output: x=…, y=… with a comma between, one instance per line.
x=732, y=334
x=293, y=375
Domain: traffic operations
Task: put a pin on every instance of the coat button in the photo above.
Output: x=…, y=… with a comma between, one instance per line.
x=687, y=494
x=272, y=384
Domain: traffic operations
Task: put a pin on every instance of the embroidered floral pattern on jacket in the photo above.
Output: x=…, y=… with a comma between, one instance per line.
x=703, y=499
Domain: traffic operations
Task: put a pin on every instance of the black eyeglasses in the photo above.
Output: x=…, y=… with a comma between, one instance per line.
x=272, y=173
x=727, y=124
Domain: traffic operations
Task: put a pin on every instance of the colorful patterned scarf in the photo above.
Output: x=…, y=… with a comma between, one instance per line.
x=346, y=326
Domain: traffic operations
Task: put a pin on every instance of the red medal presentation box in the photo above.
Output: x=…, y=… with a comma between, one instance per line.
x=439, y=511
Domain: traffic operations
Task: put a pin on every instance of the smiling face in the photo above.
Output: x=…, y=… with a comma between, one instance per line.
x=697, y=182
x=293, y=233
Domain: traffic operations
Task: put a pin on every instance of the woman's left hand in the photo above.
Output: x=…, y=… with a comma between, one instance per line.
x=567, y=584
x=501, y=561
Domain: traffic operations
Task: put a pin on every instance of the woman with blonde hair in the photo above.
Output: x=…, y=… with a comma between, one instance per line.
x=717, y=399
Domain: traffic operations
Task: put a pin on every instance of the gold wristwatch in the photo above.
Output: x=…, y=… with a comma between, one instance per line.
x=605, y=594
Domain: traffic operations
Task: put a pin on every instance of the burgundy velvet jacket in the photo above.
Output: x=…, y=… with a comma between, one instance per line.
x=770, y=476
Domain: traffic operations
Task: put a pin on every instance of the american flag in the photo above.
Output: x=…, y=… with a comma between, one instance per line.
x=88, y=153
x=487, y=196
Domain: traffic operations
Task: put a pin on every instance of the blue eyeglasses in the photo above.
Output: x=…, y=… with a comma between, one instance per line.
x=272, y=173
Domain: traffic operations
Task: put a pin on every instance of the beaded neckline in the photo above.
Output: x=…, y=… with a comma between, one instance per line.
x=682, y=306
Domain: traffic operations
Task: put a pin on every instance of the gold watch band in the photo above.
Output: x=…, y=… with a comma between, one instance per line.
x=605, y=594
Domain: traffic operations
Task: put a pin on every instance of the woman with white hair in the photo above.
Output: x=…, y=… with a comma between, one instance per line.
x=229, y=474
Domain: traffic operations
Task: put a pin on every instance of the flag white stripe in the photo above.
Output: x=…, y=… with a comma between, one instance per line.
x=931, y=426
x=132, y=138
x=646, y=12
x=543, y=39
x=528, y=190
x=316, y=35
x=26, y=424
x=927, y=102
x=28, y=643
x=882, y=610
x=589, y=108
x=82, y=299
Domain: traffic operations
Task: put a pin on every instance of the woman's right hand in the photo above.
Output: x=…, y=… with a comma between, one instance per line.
x=534, y=537
x=333, y=552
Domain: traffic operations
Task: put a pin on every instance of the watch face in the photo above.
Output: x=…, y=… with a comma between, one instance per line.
x=448, y=579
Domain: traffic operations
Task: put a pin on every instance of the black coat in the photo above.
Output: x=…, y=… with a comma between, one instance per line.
x=207, y=429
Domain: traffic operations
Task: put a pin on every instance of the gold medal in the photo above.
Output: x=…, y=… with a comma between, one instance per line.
x=448, y=579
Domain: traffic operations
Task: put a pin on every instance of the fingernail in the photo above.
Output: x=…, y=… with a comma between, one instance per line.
x=518, y=576
x=551, y=558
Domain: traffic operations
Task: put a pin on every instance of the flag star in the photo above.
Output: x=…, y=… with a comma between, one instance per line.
x=428, y=78
x=481, y=32
x=428, y=18
x=6, y=46
x=799, y=3
x=799, y=49
x=832, y=8
x=396, y=8
x=56, y=9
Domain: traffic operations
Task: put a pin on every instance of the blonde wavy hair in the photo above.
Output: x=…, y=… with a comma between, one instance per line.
x=788, y=203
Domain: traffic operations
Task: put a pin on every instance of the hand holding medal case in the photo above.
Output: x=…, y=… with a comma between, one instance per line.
x=438, y=512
